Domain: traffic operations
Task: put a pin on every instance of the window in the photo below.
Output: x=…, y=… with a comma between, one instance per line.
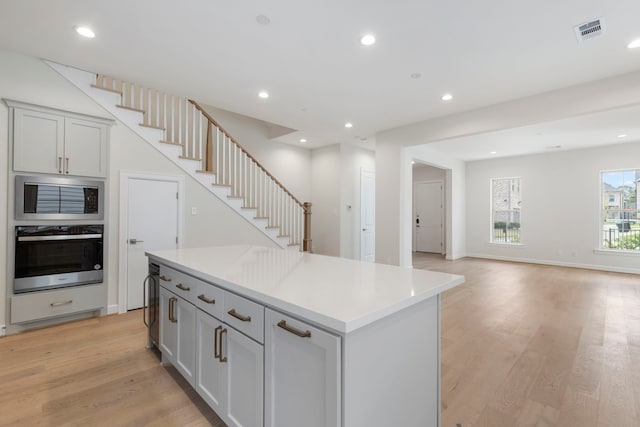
x=506, y=198
x=620, y=229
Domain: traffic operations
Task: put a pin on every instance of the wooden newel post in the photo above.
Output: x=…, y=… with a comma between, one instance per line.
x=306, y=242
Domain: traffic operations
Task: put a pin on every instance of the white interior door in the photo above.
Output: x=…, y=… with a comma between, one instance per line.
x=152, y=224
x=429, y=216
x=367, y=216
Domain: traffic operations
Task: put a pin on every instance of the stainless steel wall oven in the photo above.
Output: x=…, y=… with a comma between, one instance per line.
x=54, y=256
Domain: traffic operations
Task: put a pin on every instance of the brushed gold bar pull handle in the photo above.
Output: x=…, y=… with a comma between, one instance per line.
x=222, y=358
x=172, y=306
x=58, y=304
x=205, y=299
x=302, y=334
x=239, y=316
x=184, y=288
x=165, y=278
x=67, y=171
x=59, y=164
x=216, y=354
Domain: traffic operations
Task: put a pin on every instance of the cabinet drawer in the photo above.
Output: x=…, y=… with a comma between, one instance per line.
x=46, y=304
x=244, y=315
x=209, y=298
x=179, y=283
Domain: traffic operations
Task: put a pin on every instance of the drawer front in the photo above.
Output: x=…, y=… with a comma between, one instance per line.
x=209, y=298
x=46, y=304
x=244, y=315
x=179, y=283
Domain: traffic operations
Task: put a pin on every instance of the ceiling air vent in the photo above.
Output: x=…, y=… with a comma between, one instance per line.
x=589, y=30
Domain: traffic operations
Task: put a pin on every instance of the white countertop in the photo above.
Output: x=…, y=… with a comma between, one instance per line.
x=337, y=293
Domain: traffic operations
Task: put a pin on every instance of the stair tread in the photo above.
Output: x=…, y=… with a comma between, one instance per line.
x=171, y=143
x=272, y=226
x=151, y=126
x=248, y=207
x=190, y=158
x=260, y=217
x=221, y=185
x=107, y=89
x=235, y=197
x=207, y=172
x=124, y=107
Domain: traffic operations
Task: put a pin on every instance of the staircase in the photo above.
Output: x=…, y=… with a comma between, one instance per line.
x=186, y=134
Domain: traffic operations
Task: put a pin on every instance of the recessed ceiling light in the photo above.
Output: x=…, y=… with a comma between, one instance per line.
x=493, y=152
x=447, y=97
x=85, y=32
x=303, y=140
x=622, y=135
x=263, y=20
x=634, y=44
x=413, y=162
x=263, y=94
x=348, y=125
x=367, y=40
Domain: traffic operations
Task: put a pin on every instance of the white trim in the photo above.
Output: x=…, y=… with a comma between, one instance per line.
x=113, y=309
x=506, y=245
x=125, y=176
x=558, y=263
x=616, y=252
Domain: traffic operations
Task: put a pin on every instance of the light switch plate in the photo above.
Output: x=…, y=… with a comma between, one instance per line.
x=194, y=211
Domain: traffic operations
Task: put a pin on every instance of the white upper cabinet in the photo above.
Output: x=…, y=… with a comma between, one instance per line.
x=53, y=141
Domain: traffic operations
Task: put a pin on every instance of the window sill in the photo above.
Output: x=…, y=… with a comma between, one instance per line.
x=616, y=252
x=509, y=245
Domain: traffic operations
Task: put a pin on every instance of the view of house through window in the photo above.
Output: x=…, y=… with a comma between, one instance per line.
x=506, y=197
x=620, y=225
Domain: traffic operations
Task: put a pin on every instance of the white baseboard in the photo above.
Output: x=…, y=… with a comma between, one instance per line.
x=113, y=309
x=558, y=263
x=3, y=330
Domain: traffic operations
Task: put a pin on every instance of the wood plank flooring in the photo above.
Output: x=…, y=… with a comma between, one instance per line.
x=522, y=345
x=535, y=345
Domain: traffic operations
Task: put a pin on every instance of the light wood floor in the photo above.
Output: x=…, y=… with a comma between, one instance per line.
x=522, y=345
x=533, y=345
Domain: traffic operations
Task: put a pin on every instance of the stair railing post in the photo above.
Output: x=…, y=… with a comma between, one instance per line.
x=306, y=242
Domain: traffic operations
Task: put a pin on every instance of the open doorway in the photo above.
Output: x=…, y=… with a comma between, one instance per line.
x=428, y=209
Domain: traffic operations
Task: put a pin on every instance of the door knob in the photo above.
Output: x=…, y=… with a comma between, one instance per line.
x=135, y=241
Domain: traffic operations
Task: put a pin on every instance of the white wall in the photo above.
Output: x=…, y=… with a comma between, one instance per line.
x=353, y=160
x=335, y=228
x=422, y=172
x=392, y=163
x=28, y=79
x=325, y=193
x=560, y=207
x=291, y=165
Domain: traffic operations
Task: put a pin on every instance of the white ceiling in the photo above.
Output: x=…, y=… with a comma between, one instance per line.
x=310, y=60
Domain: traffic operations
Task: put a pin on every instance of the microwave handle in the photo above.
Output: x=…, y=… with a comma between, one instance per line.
x=59, y=237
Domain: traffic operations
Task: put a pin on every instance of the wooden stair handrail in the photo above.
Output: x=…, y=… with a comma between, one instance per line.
x=216, y=124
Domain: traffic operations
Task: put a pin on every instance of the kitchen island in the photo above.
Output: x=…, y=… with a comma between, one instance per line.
x=282, y=338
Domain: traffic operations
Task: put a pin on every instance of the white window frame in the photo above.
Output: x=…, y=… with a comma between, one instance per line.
x=602, y=248
x=491, y=212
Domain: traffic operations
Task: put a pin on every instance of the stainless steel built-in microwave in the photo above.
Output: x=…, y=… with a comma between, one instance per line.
x=53, y=198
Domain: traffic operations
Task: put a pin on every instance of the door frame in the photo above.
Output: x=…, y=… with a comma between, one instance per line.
x=414, y=245
x=125, y=176
x=360, y=225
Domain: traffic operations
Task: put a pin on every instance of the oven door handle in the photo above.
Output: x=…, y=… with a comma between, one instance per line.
x=59, y=237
